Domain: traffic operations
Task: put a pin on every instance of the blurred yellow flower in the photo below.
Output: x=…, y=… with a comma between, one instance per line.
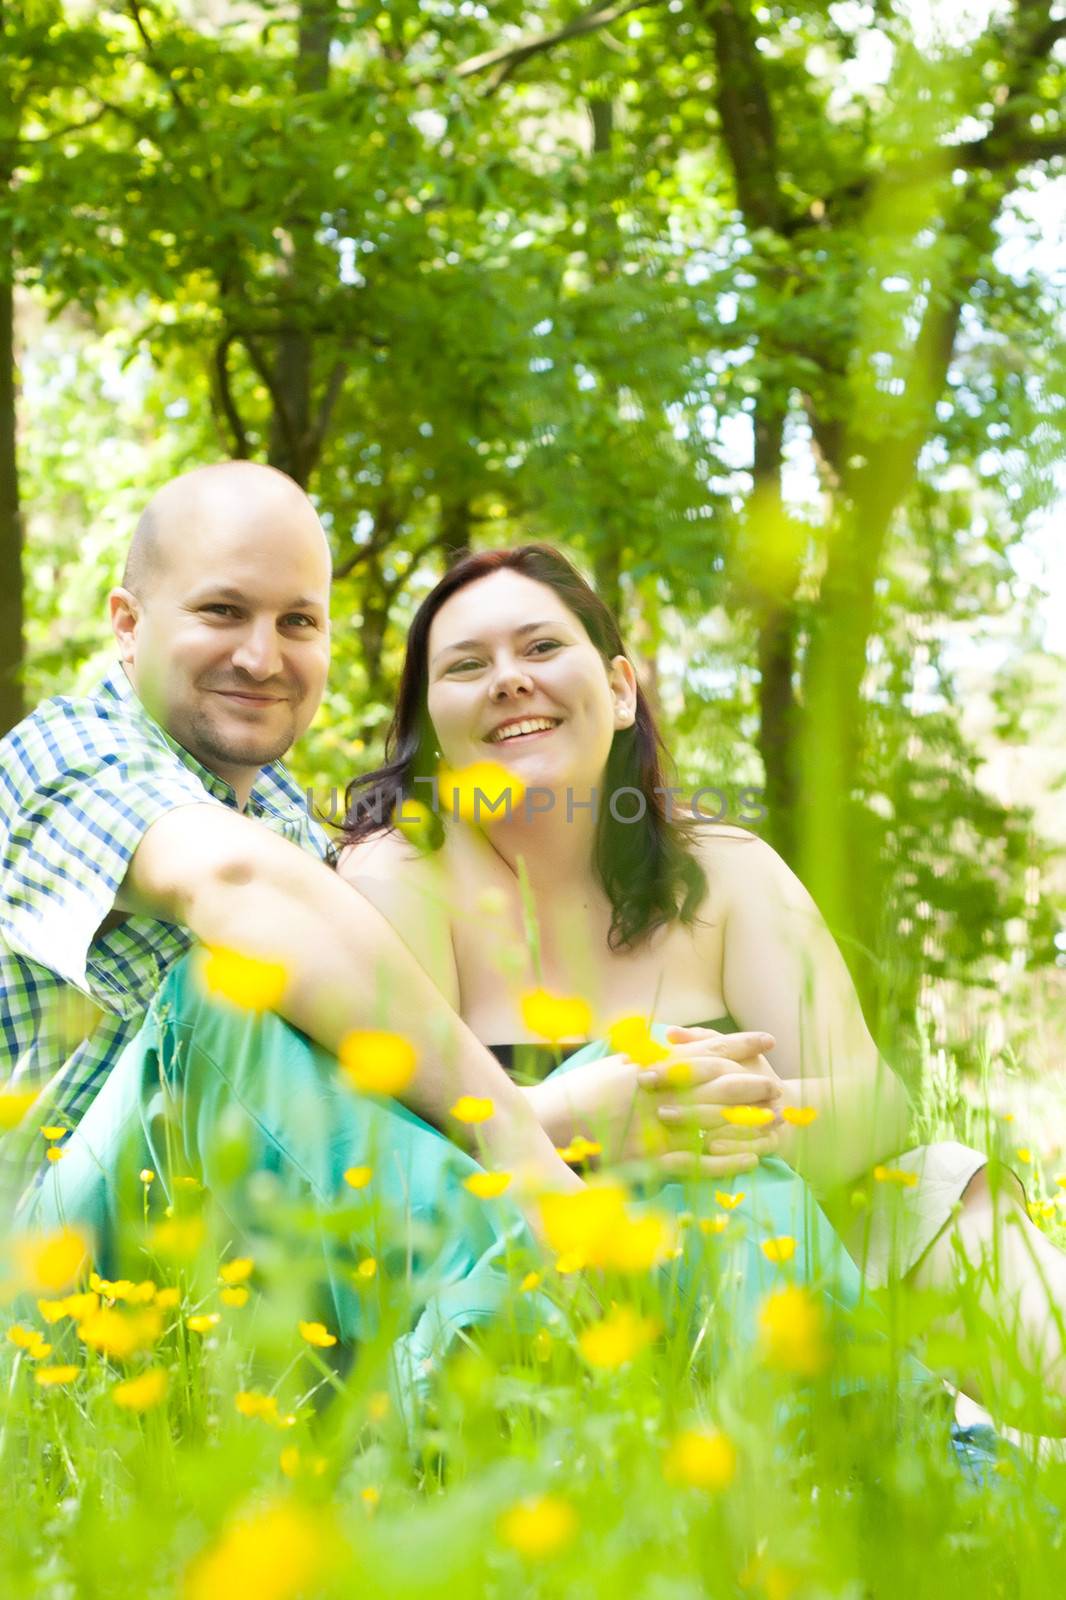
x=370, y=1497
x=143, y=1392
x=203, y=1321
x=906, y=1180
x=747, y=1116
x=642, y=1242
x=531, y=1281
x=713, y=1224
x=377, y=1062
x=632, y=1037
x=617, y=1339
x=792, y=1332
x=74, y=1306
x=168, y=1298
x=55, y=1132
x=556, y=1017
x=318, y=1334
x=727, y=1201
x=276, y=1552
x=799, y=1116
x=1061, y=1181
x=472, y=1108
x=23, y=1338
x=580, y=1149
x=178, y=1238
x=48, y=1262
x=251, y=1403
x=55, y=1152
x=244, y=981
x=701, y=1458
x=49, y=1376
x=678, y=1075
x=358, y=1177
x=367, y=1269
x=121, y=1333
x=123, y=1289
x=779, y=1249
x=487, y=1185
x=539, y=1526
x=239, y=1270
x=14, y=1104
x=1024, y=1154
x=147, y=1175
x=583, y=1223
x=236, y=1297
x=479, y=792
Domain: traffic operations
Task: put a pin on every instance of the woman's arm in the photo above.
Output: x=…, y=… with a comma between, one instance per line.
x=782, y=971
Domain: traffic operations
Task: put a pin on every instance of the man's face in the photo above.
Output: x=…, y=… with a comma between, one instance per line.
x=229, y=646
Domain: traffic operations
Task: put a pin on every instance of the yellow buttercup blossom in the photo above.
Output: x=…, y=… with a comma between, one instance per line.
x=642, y=1242
x=168, y=1298
x=203, y=1321
x=1024, y=1154
x=556, y=1017
x=799, y=1116
x=236, y=1297
x=531, y=1281
x=141, y=1393
x=377, y=1062
x=632, y=1037
x=713, y=1224
x=792, y=1336
x=55, y=1152
x=358, y=1177
x=678, y=1075
x=479, y=792
x=146, y=1175
x=14, y=1104
x=239, y=1270
x=580, y=1149
x=317, y=1334
x=583, y=1223
x=701, y=1458
x=370, y=1497
x=121, y=1334
x=49, y=1262
x=292, y=1463
x=472, y=1108
x=244, y=981
x=727, y=1201
x=55, y=1131
x=487, y=1185
x=123, y=1289
x=75, y=1306
x=538, y=1527
x=617, y=1339
x=277, y=1552
x=23, y=1338
x=49, y=1376
x=251, y=1403
x=177, y=1238
x=779, y=1249
x=367, y=1269
x=747, y=1116
x=906, y=1180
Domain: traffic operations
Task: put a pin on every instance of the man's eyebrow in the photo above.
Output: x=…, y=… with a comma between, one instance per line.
x=222, y=591
x=473, y=644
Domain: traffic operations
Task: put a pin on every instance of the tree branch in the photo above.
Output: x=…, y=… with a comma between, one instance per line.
x=507, y=58
x=224, y=392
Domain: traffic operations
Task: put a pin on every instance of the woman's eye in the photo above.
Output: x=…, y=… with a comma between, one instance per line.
x=463, y=666
x=543, y=645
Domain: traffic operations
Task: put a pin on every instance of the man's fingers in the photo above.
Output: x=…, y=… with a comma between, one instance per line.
x=737, y=1046
x=731, y=1089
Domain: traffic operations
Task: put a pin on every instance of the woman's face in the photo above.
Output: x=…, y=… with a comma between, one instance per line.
x=514, y=677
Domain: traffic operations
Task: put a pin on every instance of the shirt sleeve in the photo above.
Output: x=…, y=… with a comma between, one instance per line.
x=84, y=798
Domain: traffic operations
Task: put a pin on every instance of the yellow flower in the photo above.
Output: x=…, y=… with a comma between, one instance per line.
x=51, y=1261
x=370, y=1497
x=14, y=1104
x=358, y=1177
x=74, y=1306
x=167, y=1299
x=538, y=1527
x=556, y=1017
x=318, y=1334
x=367, y=1269
x=178, y=1238
x=779, y=1249
x=276, y=1552
x=472, y=1108
x=701, y=1458
x=376, y=1062
x=642, y=1242
x=617, y=1339
x=123, y=1289
x=1061, y=1181
x=55, y=1132
x=583, y=1223
x=580, y=1149
x=54, y=1152
x=747, y=1116
x=479, y=792
x=23, y=1338
x=713, y=1224
x=47, y=1376
x=236, y=1297
x=1024, y=1154
x=792, y=1332
x=239, y=1270
x=487, y=1185
x=727, y=1201
x=799, y=1116
x=906, y=1180
x=245, y=981
x=203, y=1321
x=148, y=1389
x=415, y=821
x=531, y=1281
x=121, y=1334
x=632, y=1037
x=147, y=1175
x=251, y=1403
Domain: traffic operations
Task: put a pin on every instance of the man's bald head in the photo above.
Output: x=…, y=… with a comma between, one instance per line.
x=223, y=615
x=232, y=489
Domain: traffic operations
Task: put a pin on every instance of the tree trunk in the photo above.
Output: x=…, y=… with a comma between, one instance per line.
x=12, y=701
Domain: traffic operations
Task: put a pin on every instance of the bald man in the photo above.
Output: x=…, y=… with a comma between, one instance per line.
x=155, y=813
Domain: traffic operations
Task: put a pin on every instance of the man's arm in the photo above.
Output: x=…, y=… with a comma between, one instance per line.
x=235, y=884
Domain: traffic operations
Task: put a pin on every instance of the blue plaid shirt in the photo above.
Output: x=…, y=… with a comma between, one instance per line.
x=81, y=781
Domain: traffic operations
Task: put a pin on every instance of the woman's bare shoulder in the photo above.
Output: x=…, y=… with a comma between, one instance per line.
x=731, y=854
x=387, y=852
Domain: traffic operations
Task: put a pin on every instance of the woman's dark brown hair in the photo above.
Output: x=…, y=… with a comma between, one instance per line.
x=646, y=866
